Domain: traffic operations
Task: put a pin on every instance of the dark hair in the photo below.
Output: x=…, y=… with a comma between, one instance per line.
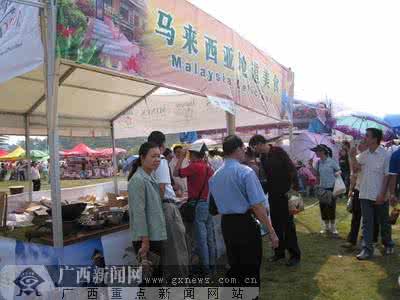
x=347, y=144
x=250, y=153
x=198, y=155
x=167, y=152
x=256, y=140
x=176, y=148
x=143, y=151
x=231, y=144
x=157, y=137
x=280, y=155
x=376, y=133
x=328, y=151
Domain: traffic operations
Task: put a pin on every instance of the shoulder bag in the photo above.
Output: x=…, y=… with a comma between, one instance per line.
x=188, y=209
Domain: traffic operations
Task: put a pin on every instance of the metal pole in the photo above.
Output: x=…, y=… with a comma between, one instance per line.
x=114, y=160
x=291, y=99
x=52, y=82
x=28, y=155
x=230, y=123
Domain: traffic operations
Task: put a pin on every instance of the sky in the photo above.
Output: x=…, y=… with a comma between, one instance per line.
x=346, y=50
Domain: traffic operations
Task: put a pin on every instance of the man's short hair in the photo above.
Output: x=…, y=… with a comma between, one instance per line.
x=256, y=140
x=167, y=152
x=176, y=148
x=231, y=144
x=376, y=133
x=157, y=137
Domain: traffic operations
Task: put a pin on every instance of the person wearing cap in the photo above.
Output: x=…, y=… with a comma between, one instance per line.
x=327, y=170
x=198, y=173
x=236, y=194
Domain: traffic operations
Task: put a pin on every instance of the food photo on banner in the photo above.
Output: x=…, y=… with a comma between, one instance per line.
x=21, y=48
x=174, y=43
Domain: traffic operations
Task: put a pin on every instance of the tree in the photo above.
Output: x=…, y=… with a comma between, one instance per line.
x=4, y=141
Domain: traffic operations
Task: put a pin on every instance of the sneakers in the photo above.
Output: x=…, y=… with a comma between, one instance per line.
x=325, y=228
x=333, y=229
x=388, y=251
x=364, y=255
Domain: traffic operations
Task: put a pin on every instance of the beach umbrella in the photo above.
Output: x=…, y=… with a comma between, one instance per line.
x=355, y=124
x=394, y=122
x=304, y=142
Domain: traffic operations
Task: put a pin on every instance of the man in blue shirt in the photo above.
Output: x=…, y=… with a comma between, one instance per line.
x=394, y=172
x=238, y=196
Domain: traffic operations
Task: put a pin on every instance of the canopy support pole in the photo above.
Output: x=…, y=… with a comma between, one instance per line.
x=291, y=97
x=230, y=123
x=28, y=155
x=114, y=160
x=52, y=83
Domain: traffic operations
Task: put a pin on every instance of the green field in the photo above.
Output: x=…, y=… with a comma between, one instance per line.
x=328, y=271
x=46, y=186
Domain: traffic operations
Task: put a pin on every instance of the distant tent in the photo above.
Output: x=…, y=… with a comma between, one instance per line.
x=80, y=150
x=17, y=154
x=3, y=152
x=108, y=152
x=37, y=155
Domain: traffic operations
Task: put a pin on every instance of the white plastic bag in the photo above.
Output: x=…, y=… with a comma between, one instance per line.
x=340, y=187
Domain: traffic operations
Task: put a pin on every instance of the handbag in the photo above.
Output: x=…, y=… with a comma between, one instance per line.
x=324, y=196
x=339, y=187
x=188, y=209
x=349, y=205
x=295, y=203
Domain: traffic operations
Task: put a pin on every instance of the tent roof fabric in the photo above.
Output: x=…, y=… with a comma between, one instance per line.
x=107, y=152
x=14, y=155
x=80, y=150
x=90, y=98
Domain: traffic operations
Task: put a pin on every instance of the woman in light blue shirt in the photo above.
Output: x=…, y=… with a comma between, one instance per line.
x=147, y=221
x=327, y=170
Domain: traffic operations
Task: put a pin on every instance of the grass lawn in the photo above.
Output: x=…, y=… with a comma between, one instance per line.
x=328, y=271
x=46, y=186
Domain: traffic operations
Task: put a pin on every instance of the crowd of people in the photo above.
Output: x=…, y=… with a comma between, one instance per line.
x=248, y=187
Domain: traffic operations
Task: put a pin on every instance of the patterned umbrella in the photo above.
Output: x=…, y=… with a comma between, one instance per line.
x=355, y=124
x=304, y=142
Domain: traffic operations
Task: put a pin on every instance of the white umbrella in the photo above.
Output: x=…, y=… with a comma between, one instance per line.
x=208, y=142
x=304, y=142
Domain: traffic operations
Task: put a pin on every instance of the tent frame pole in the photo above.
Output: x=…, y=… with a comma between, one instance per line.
x=114, y=160
x=28, y=155
x=52, y=84
x=230, y=123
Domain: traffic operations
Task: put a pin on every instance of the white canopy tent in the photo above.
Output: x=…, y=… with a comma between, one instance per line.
x=82, y=100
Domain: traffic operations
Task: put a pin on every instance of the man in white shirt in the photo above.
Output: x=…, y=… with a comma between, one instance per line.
x=175, y=255
x=181, y=183
x=374, y=165
x=35, y=177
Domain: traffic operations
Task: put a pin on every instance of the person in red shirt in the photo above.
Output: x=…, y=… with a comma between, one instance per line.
x=198, y=174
